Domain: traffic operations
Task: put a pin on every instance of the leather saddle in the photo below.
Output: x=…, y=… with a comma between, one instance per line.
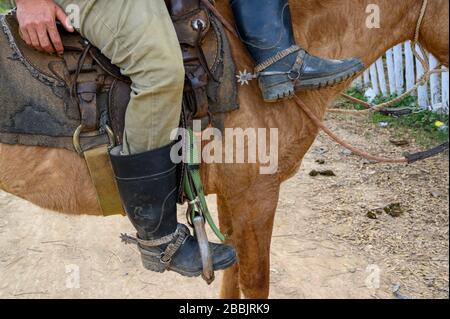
x=101, y=93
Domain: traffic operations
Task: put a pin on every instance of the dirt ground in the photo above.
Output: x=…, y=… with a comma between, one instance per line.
x=324, y=245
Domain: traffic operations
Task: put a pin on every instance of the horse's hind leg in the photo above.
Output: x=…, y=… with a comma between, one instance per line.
x=230, y=282
x=252, y=221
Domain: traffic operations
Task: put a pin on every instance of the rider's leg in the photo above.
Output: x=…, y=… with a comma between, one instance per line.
x=266, y=29
x=139, y=37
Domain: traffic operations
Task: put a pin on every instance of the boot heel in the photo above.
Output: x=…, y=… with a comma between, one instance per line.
x=276, y=93
x=152, y=263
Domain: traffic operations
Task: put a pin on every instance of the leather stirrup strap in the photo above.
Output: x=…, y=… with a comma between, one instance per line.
x=102, y=176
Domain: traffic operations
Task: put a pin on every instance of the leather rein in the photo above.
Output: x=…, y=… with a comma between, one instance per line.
x=408, y=158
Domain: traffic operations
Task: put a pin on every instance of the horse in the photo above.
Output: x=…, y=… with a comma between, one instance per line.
x=58, y=180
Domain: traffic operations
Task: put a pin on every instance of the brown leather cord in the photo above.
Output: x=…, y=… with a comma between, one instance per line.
x=366, y=105
x=82, y=59
x=409, y=158
x=221, y=18
x=354, y=150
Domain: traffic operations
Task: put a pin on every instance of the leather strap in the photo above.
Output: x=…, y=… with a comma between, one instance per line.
x=175, y=241
x=293, y=74
x=157, y=242
x=172, y=248
x=87, y=99
x=102, y=175
x=277, y=57
x=198, y=80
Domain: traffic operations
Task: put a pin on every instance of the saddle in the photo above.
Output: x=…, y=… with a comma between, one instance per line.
x=99, y=93
x=78, y=101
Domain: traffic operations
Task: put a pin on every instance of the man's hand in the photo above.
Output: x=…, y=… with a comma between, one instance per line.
x=37, y=22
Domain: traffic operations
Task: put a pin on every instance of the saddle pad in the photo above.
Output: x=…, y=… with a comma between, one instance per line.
x=36, y=107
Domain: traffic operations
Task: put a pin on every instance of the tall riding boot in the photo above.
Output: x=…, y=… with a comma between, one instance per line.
x=266, y=29
x=148, y=187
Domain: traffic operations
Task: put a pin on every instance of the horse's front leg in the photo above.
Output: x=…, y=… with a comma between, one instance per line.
x=252, y=216
x=230, y=281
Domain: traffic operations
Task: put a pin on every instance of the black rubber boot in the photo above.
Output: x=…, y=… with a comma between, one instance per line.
x=265, y=28
x=148, y=187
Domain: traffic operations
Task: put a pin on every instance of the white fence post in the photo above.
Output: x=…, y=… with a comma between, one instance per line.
x=374, y=79
x=423, y=89
x=434, y=85
x=398, y=66
x=409, y=67
x=391, y=71
x=381, y=76
x=445, y=84
x=366, y=78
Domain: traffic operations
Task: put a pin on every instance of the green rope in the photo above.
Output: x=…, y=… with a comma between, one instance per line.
x=193, y=186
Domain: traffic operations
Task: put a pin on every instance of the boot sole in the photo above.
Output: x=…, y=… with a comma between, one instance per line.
x=327, y=81
x=317, y=83
x=154, y=264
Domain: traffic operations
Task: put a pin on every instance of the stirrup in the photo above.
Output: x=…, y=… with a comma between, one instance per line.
x=198, y=212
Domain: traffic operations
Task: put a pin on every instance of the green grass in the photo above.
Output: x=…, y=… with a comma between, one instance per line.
x=420, y=125
x=5, y=5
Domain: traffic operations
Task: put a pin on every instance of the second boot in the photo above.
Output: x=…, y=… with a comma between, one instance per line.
x=265, y=27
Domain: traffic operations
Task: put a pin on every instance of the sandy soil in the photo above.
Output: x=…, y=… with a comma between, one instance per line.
x=324, y=245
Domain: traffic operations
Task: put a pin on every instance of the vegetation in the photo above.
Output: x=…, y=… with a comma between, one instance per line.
x=427, y=127
x=5, y=5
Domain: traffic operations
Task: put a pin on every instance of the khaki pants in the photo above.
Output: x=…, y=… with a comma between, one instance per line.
x=138, y=36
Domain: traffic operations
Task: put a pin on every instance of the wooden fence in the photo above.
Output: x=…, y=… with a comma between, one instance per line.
x=397, y=72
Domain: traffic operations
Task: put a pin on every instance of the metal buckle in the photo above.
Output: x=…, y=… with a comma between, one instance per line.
x=164, y=262
x=294, y=75
x=79, y=130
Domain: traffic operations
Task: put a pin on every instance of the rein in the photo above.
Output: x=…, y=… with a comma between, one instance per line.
x=408, y=158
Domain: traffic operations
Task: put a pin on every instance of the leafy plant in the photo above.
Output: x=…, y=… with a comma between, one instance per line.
x=5, y=5
x=421, y=124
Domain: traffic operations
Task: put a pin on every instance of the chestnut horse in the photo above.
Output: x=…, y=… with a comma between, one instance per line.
x=58, y=179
